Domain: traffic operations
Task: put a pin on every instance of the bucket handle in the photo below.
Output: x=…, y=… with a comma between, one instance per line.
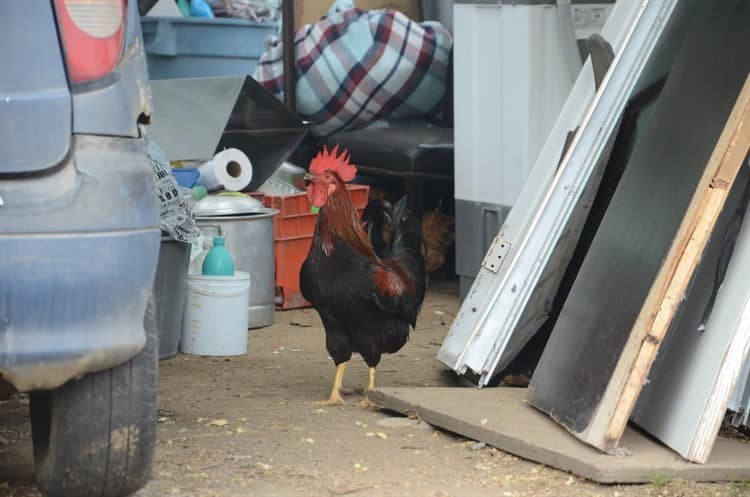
x=217, y=227
x=214, y=293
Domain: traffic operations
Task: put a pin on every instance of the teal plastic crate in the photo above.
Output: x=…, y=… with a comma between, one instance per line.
x=190, y=47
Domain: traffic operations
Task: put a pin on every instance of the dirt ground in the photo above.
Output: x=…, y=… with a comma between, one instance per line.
x=247, y=426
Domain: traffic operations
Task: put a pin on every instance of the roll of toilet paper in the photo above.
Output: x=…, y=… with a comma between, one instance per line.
x=229, y=168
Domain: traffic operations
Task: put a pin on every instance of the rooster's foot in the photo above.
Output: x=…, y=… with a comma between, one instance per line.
x=333, y=401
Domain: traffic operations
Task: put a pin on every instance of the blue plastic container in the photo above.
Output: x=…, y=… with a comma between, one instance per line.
x=186, y=177
x=191, y=47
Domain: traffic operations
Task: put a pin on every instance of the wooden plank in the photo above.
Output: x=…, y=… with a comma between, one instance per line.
x=602, y=345
x=671, y=284
x=685, y=398
x=502, y=418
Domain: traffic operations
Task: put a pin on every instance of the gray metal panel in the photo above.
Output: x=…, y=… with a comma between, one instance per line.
x=438, y=10
x=190, y=114
x=35, y=108
x=542, y=228
x=643, y=218
x=477, y=223
x=740, y=399
x=682, y=381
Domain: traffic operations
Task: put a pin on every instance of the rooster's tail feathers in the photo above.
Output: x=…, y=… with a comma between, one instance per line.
x=392, y=229
x=406, y=246
x=377, y=220
x=406, y=230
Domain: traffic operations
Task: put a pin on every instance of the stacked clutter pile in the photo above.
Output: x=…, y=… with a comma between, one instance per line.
x=619, y=279
x=241, y=140
x=242, y=226
x=204, y=311
x=219, y=307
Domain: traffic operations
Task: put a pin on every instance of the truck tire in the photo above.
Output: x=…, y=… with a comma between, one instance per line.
x=95, y=436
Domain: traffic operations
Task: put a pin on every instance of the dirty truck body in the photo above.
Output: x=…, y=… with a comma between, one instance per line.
x=79, y=238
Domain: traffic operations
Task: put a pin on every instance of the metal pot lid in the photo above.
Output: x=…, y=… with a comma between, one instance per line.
x=227, y=204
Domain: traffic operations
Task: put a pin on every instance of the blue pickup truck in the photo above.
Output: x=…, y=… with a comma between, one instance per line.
x=79, y=241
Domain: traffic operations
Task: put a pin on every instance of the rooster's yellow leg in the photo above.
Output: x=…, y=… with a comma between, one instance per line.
x=335, y=397
x=365, y=403
x=371, y=382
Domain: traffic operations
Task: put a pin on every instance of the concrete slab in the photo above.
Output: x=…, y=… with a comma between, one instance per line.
x=501, y=417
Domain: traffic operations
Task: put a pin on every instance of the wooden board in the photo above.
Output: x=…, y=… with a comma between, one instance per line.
x=501, y=417
x=652, y=235
x=685, y=399
x=669, y=290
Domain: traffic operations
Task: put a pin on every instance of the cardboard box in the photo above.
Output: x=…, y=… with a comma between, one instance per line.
x=310, y=11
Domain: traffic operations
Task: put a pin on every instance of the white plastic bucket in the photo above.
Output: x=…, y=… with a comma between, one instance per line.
x=215, y=318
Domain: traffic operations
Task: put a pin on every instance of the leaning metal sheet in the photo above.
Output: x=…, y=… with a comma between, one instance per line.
x=551, y=201
x=591, y=354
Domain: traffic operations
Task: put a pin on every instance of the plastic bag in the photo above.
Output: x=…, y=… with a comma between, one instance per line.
x=176, y=218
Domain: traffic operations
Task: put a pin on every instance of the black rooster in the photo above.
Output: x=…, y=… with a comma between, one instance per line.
x=367, y=300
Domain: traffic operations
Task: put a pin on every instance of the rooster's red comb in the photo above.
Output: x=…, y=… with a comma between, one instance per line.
x=331, y=161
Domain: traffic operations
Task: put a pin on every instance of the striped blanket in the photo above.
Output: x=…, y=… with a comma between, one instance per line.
x=356, y=67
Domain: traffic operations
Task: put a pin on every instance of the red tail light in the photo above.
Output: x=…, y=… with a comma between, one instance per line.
x=92, y=35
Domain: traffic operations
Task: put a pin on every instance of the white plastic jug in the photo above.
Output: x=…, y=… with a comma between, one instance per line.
x=215, y=319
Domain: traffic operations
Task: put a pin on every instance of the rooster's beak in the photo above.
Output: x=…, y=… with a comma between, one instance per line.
x=309, y=178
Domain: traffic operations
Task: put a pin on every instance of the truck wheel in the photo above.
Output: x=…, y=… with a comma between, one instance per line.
x=95, y=436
